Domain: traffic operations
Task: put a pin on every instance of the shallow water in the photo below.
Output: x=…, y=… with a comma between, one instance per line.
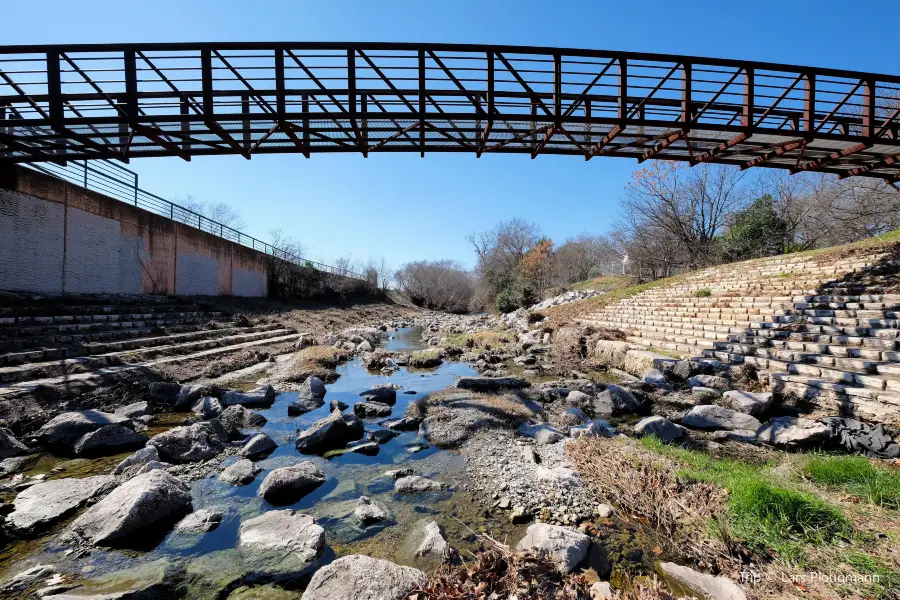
x=349, y=476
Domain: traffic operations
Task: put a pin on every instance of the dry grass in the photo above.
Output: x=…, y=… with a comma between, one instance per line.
x=312, y=360
x=564, y=313
x=508, y=405
x=424, y=359
x=486, y=339
x=648, y=487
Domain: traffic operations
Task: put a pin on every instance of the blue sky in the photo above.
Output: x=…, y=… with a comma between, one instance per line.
x=404, y=207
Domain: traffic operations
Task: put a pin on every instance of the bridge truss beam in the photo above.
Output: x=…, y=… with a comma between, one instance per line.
x=126, y=101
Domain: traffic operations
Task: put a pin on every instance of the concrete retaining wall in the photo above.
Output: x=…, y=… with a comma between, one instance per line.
x=56, y=237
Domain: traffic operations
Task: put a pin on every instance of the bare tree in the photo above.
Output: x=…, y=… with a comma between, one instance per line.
x=438, y=285
x=220, y=212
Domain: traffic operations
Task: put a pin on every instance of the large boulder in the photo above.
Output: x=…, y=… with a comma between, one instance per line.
x=614, y=400
x=10, y=446
x=191, y=443
x=243, y=472
x=164, y=393
x=48, y=502
x=259, y=446
x=491, y=384
x=155, y=499
x=714, y=417
x=661, y=427
x=312, y=387
x=751, y=403
x=703, y=585
x=564, y=547
x=334, y=431
x=281, y=544
x=793, y=432
x=260, y=397
x=109, y=439
x=288, y=484
x=363, y=578
x=63, y=431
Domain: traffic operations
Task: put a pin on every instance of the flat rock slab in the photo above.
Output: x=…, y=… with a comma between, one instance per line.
x=46, y=503
x=363, y=578
x=706, y=586
x=793, y=432
x=154, y=499
x=109, y=439
x=281, y=544
x=714, y=417
x=416, y=484
x=565, y=548
x=751, y=403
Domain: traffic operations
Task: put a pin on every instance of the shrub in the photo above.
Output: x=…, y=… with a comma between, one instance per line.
x=508, y=300
x=703, y=293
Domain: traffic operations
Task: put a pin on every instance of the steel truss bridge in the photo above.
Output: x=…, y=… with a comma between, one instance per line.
x=124, y=101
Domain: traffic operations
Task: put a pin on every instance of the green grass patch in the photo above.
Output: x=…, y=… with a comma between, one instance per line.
x=703, y=293
x=765, y=514
x=857, y=475
x=885, y=580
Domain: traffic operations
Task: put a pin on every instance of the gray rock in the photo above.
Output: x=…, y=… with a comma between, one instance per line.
x=745, y=436
x=141, y=457
x=381, y=436
x=188, y=396
x=338, y=405
x=109, y=439
x=334, y=431
x=134, y=410
x=164, y=392
x=281, y=544
x=235, y=418
x=575, y=398
x=63, y=431
x=372, y=409
x=704, y=394
x=363, y=578
x=386, y=394
x=14, y=464
x=368, y=512
x=601, y=590
x=434, y=541
x=398, y=473
x=154, y=499
x=714, y=417
x=656, y=378
x=288, y=484
x=705, y=586
x=416, y=484
x=685, y=369
x=614, y=400
x=491, y=384
x=207, y=407
x=312, y=387
x=242, y=472
x=565, y=548
x=561, y=477
x=403, y=423
x=192, y=443
x=711, y=381
x=27, y=578
x=200, y=521
x=793, y=432
x=541, y=432
x=10, y=446
x=48, y=502
x=259, y=446
x=755, y=404
x=571, y=417
x=661, y=427
x=260, y=397
x=367, y=448
x=304, y=405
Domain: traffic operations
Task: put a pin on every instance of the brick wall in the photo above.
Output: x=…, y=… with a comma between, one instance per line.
x=56, y=237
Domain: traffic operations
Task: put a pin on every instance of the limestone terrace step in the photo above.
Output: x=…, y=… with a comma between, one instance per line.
x=34, y=326
x=45, y=369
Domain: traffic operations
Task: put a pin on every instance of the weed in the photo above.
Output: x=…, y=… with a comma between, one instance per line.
x=703, y=293
x=884, y=580
x=858, y=476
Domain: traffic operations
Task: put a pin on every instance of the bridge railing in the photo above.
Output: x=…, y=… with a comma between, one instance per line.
x=115, y=181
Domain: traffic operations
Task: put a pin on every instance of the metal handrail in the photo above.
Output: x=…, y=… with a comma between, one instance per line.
x=119, y=183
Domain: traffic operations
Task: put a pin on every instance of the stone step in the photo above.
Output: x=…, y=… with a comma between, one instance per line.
x=95, y=323
x=106, y=373
x=51, y=368
x=125, y=340
x=69, y=313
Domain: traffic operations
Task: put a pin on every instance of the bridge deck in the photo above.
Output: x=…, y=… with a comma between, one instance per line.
x=122, y=101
